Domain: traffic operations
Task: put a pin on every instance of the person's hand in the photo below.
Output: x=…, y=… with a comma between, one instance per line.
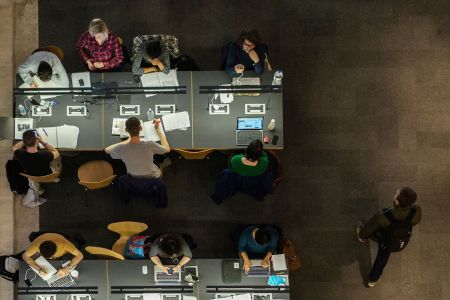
x=177, y=268
x=90, y=65
x=151, y=69
x=253, y=56
x=265, y=263
x=156, y=122
x=155, y=61
x=99, y=65
x=62, y=272
x=247, y=266
x=239, y=68
x=39, y=138
x=34, y=84
x=42, y=272
x=165, y=269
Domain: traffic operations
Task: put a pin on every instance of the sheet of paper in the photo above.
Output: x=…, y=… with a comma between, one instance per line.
x=21, y=125
x=49, y=135
x=159, y=79
x=85, y=76
x=116, y=125
x=152, y=296
x=186, y=297
x=175, y=121
x=279, y=262
x=170, y=79
x=150, y=133
x=67, y=136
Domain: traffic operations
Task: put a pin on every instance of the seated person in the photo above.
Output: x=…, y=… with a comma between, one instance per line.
x=100, y=48
x=138, y=155
x=248, y=53
x=258, y=242
x=151, y=56
x=253, y=163
x=36, y=162
x=170, y=251
x=46, y=66
x=52, y=246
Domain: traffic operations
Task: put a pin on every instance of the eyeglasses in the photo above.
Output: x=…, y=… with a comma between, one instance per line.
x=248, y=45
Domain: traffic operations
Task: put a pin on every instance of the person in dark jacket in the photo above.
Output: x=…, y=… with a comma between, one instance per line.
x=402, y=208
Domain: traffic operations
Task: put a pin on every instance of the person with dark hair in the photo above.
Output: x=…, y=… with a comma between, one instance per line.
x=36, y=162
x=253, y=163
x=258, y=241
x=151, y=56
x=391, y=228
x=43, y=69
x=136, y=154
x=52, y=246
x=170, y=251
x=246, y=53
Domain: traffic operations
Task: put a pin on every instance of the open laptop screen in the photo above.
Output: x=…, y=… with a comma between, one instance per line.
x=250, y=123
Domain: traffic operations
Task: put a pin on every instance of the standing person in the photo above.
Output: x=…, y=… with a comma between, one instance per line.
x=36, y=162
x=46, y=66
x=100, y=48
x=258, y=241
x=151, y=55
x=138, y=155
x=391, y=228
x=170, y=251
x=246, y=53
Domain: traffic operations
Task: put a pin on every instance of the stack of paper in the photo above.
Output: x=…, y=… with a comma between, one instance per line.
x=176, y=121
x=159, y=79
x=65, y=136
x=148, y=132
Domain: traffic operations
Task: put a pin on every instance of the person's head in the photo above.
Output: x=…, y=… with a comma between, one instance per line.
x=152, y=50
x=249, y=39
x=47, y=249
x=170, y=244
x=29, y=138
x=133, y=126
x=44, y=71
x=405, y=197
x=98, y=30
x=254, y=150
x=262, y=235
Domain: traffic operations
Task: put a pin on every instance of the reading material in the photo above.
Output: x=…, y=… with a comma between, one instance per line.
x=159, y=79
x=65, y=136
x=21, y=125
x=175, y=121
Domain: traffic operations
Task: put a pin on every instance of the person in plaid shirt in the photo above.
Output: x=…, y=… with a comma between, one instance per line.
x=99, y=48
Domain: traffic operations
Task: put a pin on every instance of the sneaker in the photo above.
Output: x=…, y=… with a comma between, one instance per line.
x=371, y=283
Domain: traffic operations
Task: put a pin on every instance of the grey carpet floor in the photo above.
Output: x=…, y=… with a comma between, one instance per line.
x=366, y=92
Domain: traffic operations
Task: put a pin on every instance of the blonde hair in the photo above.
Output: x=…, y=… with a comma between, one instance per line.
x=97, y=26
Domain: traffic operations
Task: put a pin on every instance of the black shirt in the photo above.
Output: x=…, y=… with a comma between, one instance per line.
x=35, y=164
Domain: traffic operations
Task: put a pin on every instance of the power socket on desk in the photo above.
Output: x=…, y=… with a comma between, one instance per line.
x=41, y=111
x=76, y=111
x=130, y=110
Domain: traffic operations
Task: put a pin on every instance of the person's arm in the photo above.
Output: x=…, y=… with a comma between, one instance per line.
x=49, y=147
x=266, y=259
x=243, y=241
x=370, y=227
x=230, y=61
x=259, y=65
x=26, y=256
x=137, y=60
x=81, y=45
x=78, y=257
x=116, y=49
x=18, y=146
x=247, y=263
x=114, y=150
x=30, y=65
x=162, y=137
x=182, y=262
x=165, y=61
x=61, y=79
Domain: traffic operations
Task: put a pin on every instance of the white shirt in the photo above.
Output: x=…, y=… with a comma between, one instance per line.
x=59, y=75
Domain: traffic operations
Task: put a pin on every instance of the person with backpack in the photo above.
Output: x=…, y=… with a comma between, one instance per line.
x=391, y=228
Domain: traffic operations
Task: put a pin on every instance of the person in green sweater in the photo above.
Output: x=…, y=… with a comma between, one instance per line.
x=402, y=210
x=253, y=163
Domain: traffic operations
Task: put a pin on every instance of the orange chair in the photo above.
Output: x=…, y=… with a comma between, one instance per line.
x=52, y=49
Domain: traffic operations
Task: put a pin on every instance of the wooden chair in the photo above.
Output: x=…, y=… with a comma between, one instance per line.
x=95, y=175
x=195, y=154
x=279, y=168
x=50, y=178
x=125, y=229
x=104, y=253
x=52, y=49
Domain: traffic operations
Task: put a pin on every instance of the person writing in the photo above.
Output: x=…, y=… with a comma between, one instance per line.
x=170, y=252
x=52, y=246
x=247, y=53
x=151, y=56
x=257, y=241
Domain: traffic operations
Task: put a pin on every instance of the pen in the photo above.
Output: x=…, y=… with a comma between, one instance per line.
x=45, y=131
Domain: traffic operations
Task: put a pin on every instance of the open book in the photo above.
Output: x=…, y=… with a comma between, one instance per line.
x=148, y=132
x=65, y=136
x=159, y=79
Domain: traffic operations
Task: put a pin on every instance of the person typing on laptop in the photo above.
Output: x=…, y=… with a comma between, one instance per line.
x=253, y=163
x=52, y=246
x=258, y=241
x=170, y=252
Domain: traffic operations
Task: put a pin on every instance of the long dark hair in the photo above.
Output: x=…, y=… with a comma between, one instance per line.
x=251, y=35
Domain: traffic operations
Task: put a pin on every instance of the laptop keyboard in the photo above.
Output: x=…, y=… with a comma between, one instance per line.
x=64, y=281
x=246, y=136
x=258, y=270
x=163, y=276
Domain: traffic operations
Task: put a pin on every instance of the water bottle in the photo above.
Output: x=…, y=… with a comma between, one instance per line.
x=277, y=77
x=271, y=125
x=22, y=110
x=150, y=114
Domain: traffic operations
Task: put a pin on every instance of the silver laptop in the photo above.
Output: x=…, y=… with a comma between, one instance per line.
x=249, y=129
x=52, y=279
x=162, y=277
x=246, y=81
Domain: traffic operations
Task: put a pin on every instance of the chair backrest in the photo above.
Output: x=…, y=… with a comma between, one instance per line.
x=52, y=49
x=104, y=253
x=279, y=168
x=53, y=177
x=170, y=41
x=126, y=230
x=95, y=174
x=194, y=154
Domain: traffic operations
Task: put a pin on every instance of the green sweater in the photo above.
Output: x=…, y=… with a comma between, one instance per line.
x=244, y=170
x=379, y=221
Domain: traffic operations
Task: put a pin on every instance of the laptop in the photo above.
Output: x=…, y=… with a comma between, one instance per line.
x=246, y=81
x=52, y=279
x=249, y=129
x=162, y=277
x=257, y=270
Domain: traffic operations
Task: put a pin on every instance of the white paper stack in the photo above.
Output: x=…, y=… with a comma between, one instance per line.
x=176, y=121
x=21, y=125
x=65, y=136
x=279, y=262
x=159, y=79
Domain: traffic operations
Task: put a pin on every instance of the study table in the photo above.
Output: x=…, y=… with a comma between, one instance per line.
x=104, y=280
x=206, y=131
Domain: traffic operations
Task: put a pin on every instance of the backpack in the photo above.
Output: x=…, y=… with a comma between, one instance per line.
x=17, y=183
x=186, y=63
x=9, y=268
x=396, y=235
x=135, y=247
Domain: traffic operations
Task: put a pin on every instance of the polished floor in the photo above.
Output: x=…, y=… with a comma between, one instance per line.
x=366, y=92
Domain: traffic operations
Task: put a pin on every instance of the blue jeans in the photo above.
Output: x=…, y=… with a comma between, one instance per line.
x=379, y=263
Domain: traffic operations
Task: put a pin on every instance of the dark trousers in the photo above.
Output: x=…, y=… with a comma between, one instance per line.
x=379, y=263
